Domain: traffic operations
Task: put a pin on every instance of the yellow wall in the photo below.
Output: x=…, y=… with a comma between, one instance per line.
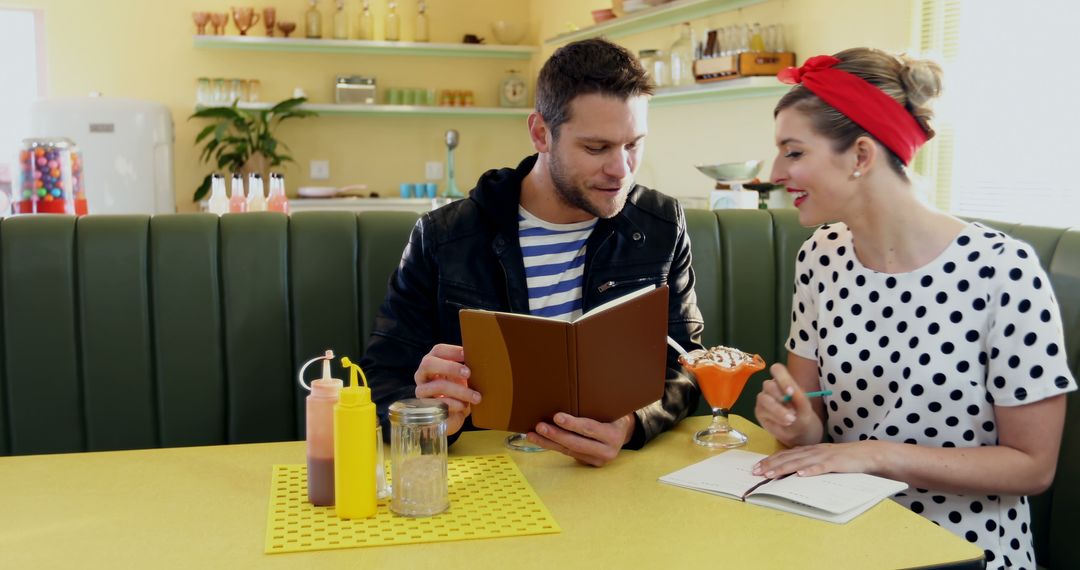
x=142, y=49
x=685, y=135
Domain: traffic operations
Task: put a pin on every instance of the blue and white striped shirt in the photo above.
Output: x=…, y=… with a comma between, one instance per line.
x=554, y=256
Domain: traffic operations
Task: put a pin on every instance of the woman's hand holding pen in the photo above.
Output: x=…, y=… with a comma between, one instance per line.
x=793, y=422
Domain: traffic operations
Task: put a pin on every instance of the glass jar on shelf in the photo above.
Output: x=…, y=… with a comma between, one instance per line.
x=218, y=92
x=50, y=178
x=202, y=91
x=652, y=60
x=254, y=86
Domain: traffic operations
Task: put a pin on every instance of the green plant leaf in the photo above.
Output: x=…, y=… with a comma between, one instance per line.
x=209, y=150
x=203, y=188
x=205, y=133
x=233, y=161
x=215, y=113
x=287, y=105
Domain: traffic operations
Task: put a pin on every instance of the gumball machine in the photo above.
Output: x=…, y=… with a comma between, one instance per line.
x=50, y=178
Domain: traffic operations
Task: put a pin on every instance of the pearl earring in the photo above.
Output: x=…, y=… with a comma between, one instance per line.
x=856, y=174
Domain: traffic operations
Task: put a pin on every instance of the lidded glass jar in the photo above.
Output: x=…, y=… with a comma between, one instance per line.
x=652, y=60
x=418, y=457
x=50, y=178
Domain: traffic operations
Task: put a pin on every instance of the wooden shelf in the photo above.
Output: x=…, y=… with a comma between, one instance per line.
x=415, y=49
x=394, y=110
x=731, y=89
x=660, y=16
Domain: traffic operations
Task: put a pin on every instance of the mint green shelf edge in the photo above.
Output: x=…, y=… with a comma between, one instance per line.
x=658, y=17
x=412, y=49
x=705, y=95
x=397, y=110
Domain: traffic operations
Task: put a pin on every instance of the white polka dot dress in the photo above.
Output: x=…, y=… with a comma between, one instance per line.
x=923, y=358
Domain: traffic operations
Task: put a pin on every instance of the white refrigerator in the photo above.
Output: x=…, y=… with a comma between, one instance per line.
x=127, y=150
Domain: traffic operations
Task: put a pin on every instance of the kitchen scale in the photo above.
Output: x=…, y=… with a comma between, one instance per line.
x=735, y=186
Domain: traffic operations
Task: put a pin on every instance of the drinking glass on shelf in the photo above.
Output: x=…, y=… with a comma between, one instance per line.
x=721, y=373
x=200, y=19
x=269, y=18
x=217, y=91
x=219, y=21
x=253, y=90
x=235, y=91
x=245, y=19
x=202, y=91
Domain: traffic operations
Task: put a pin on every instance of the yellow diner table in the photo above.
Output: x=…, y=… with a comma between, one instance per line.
x=206, y=507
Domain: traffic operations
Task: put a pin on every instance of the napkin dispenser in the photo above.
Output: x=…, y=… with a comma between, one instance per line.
x=354, y=89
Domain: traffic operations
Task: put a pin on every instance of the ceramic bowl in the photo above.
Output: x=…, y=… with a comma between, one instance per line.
x=603, y=15
x=508, y=33
x=734, y=171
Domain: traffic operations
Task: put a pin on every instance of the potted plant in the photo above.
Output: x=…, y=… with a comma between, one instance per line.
x=240, y=140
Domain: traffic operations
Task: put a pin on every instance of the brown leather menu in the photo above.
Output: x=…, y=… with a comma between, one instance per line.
x=603, y=365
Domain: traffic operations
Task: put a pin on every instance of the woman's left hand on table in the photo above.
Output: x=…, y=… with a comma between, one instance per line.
x=808, y=460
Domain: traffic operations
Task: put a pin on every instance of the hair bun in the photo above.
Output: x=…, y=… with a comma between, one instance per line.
x=921, y=79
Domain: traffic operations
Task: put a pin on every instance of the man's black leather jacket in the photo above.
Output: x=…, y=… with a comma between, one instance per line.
x=466, y=255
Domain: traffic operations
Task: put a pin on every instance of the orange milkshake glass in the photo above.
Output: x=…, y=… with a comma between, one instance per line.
x=721, y=373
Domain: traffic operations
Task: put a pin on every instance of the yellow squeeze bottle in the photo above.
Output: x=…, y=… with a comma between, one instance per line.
x=354, y=448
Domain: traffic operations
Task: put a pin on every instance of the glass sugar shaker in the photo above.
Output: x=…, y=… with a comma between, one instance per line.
x=418, y=457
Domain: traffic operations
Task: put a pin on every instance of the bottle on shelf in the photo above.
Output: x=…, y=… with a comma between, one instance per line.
x=366, y=29
x=313, y=21
x=319, y=422
x=218, y=202
x=757, y=40
x=237, y=201
x=256, y=199
x=277, y=201
x=421, y=30
x=341, y=22
x=393, y=23
x=682, y=57
x=355, y=487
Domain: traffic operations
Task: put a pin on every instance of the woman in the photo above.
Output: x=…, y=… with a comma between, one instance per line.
x=940, y=340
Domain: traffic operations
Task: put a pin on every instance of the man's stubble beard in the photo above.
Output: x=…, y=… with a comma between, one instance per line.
x=572, y=195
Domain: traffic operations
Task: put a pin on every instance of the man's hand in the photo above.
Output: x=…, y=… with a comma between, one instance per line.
x=588, y=441
x=443, y=374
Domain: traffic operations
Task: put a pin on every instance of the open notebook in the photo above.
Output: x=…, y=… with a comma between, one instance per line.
x=832, y=497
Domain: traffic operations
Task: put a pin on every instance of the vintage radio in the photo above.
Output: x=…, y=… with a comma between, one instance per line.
x=742, y=65
x=354, y=89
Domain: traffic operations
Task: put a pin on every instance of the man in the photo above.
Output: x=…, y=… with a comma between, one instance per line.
x=565, y=231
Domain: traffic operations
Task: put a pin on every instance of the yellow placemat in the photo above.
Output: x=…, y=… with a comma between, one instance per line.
x=489, y=497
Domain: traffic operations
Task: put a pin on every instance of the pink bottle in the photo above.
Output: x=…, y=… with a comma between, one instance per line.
x=237, y=202
x=277, y=202
x=325, y=392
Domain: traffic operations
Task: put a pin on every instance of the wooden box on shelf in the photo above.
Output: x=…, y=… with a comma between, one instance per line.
x=742, y=65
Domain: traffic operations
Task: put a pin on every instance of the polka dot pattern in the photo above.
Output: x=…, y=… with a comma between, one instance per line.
x=924, y=357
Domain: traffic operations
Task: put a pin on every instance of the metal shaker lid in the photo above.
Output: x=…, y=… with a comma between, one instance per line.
x=416, y=411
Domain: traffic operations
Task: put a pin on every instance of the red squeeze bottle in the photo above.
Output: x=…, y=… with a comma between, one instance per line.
x=319, y=406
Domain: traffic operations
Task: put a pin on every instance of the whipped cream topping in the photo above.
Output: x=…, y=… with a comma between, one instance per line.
x=723, y=356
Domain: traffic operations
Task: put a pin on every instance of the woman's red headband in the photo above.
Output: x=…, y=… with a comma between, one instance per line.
x=862, y=102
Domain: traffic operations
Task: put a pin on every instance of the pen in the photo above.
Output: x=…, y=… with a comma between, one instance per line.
x=787, y=398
